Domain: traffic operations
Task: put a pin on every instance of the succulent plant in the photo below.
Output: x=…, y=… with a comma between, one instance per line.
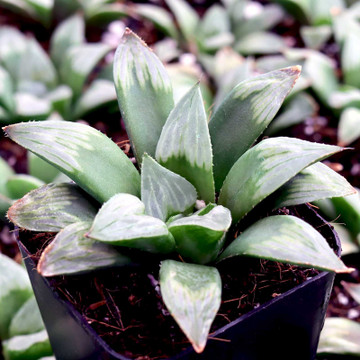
x=198, y=181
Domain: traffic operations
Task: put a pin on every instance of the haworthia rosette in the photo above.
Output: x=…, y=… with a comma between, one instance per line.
x=184, y=145
x=266, y=167
x=192, y=294
x=144, y=93
x=163, y=192
x=287, y=239
x=244, y=115
x=84, y=154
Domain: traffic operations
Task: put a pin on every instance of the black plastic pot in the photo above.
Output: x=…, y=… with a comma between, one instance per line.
x=287, y=327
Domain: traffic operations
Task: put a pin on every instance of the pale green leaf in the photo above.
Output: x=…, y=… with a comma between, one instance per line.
x=104, y=14
x=51, y=208
x=144, y=93
x=349, y=126
x=84, y=154
x=264, y=168
x=163, y=192
x=186, y=17
x=61, y=99
x=184, y=145
x=200, y=237
x=340, y=336
x=121, y=222
x=321, y=11
x=244, y=115
x=100, y=93
x=68, y=33
x=260, y=43
x=299, y=108
x=71, y=252
x=27, y=320
x=6, y=91
x=29, y=107
x=315, y=37
x=192, y=294
x=350, y=59
x=353, y=289
x=15, y=289
x=349, y=245
x=286, y=239
x=159, y=16
x=18, y=185
x=41, y=169
x=347, y=96
x=78, y=63
x=316, y=182
x=6, y=171
x=27, y=347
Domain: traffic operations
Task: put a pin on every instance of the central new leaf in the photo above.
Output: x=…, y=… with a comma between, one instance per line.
x=184, y=145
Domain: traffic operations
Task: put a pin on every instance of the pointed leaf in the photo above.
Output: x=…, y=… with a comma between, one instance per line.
x=27, y=320
x=315, y=37
x=316, y=182
x=144, y=93
x=201, y=236
x=15, y=289
x=287, y=239
x=349, y=126
x=120, y=221
x=78, y=63
x=266, y=167
x=184, y=145
x=68, y=33
x=163, y=192
x=245, y=114
x=192, y=294
x=32, y=346
x=71, y=252
x=100, y=93
x=84, y=154
x=51, y=208
x=340, y=336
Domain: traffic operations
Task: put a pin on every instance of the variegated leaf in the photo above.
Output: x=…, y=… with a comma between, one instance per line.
x=84, y=154
x=70, y=32
x=30, y=107
x=121, y=222
x=184, y=145
x=266, y=167
x=286, y=239
x=144, y=93
x=244, y=115
x=340, y=336
x=78, y=63
x=71, y=252
x=349, y=126
x=192, y=294
x=316, y=182
x=200, y=237
x=52, y=207
x=163, y=192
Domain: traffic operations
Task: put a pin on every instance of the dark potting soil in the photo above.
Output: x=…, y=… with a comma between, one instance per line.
x=125, y=307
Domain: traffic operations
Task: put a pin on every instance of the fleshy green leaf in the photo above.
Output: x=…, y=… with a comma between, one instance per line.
x=18, y=185
x=185, y=16
x=41, y=169
x=61, y=98
x=350, y=59
x=27, y=320
x=27, y=347
x=30, y=107
x=71, y=252
x=285, y=239
x=51, y=208
x=316, y=182
x=201, y=236
x=340, y=336
x=163, y=192
x=347, y=96
x=266, y=167
x=260, y=43
x=121, y=222
x=349, y=126
x=6, y=91
x=15, y=289
x=78, y=63
x=244, y=115
x=84, y=154
x=70, y=32
x=100, y=93
x=105, y=13
x=315, y=37
x=144, y=93
x=184, y=145
x=192, y=294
